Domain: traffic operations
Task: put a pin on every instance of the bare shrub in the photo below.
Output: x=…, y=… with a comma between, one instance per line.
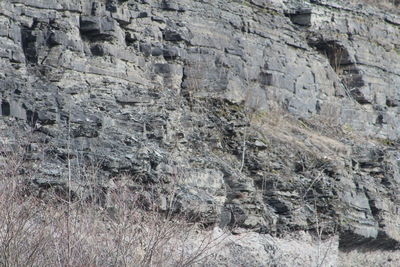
x=77, y=232
x=20, y=215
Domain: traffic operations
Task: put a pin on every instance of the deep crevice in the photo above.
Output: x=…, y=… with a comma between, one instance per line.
x=28, y=40
x=343, y=65
x=5, y=108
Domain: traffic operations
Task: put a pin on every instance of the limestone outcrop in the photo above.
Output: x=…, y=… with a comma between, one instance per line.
x=276, y=116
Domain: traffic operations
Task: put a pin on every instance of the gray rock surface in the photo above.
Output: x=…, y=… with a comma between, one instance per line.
x=276, y=116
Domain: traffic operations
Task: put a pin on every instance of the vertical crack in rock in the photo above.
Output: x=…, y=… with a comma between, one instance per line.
x=28, y=41
x=5, y=108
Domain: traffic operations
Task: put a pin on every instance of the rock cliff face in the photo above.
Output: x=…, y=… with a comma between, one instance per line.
x=277, y=116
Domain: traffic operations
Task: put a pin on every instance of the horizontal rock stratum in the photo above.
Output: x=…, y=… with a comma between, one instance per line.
x=276, y=116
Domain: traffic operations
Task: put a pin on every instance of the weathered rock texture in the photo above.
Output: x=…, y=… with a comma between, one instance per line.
x=277, y=116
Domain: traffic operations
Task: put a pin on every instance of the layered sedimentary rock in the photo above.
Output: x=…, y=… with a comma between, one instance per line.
x=275, y=116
